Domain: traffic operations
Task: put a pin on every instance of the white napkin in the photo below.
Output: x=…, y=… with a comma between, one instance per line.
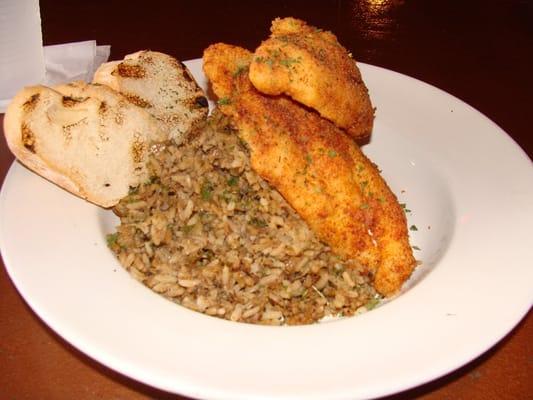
x=70, y=62
x=73, y=61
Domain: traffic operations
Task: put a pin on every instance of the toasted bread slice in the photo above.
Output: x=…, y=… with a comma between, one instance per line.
x=86, y=138
x=161, y=85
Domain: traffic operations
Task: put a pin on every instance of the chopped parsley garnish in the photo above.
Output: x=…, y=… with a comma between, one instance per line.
x=239, y=70
x=416, y=248
x=258, y=222
x=112, y=239
x=275, y=58
x=205, y=216
x=287, y=62
x=233, y=181
x=187, y=228
x=226, y=196
x=372, y=303
x=206, y=191
x=404, y=206
x=332, y=153
x=413, y=228
x=224, y=101
x=275, y=53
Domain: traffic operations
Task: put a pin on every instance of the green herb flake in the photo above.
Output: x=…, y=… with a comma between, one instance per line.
x=224, y=101
x=233, y=181
x=111, y=239
x=308, y=159
x=287, y=62
x=258, y=222
x=332, y=153
x=364, y=206
x=205, y=216
x=413, y=228
x=206, y=191
x=416, y=248
x=372, y=303
x=187, y=229
x=275, y=53
x=239, y=70
x=226, y=196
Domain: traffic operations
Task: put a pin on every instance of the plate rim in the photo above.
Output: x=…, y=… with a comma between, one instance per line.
x=193, y=390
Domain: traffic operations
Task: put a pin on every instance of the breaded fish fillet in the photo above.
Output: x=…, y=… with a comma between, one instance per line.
x=310, y=66
x=319, y=170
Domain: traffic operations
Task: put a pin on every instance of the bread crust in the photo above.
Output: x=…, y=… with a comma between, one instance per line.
x=87, y=139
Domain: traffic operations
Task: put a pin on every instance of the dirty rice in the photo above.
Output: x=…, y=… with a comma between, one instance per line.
x=208, y=233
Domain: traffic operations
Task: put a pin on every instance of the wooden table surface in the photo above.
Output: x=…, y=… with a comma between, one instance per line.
x=480, y=51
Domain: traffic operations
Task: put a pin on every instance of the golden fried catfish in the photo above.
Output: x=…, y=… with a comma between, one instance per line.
x=319, y=170
x=311, y=67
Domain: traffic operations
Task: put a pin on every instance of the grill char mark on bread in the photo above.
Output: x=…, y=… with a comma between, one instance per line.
x=93, y=140
x=138, y=101
x=131, y=71
x=95, y=148
x=162, y=85
x=27, y=137
x=31, y=102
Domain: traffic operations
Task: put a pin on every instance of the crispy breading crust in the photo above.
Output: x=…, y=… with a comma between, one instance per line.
x=310, y=66
x=319, y=170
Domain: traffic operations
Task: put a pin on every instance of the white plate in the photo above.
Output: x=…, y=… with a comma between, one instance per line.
x=470, y=189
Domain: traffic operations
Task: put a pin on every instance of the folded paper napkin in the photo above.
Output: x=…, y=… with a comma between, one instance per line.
x=73, y=61
x=69, y=62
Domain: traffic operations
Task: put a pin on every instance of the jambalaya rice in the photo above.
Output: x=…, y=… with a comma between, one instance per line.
x=208, y=233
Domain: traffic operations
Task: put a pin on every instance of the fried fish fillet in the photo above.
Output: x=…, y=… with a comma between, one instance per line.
x=310, y=66
x=319, y=170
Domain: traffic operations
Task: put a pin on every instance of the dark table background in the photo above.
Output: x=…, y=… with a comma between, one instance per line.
x=479, y=51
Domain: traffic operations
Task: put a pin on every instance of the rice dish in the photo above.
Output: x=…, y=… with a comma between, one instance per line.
x=209, y=234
